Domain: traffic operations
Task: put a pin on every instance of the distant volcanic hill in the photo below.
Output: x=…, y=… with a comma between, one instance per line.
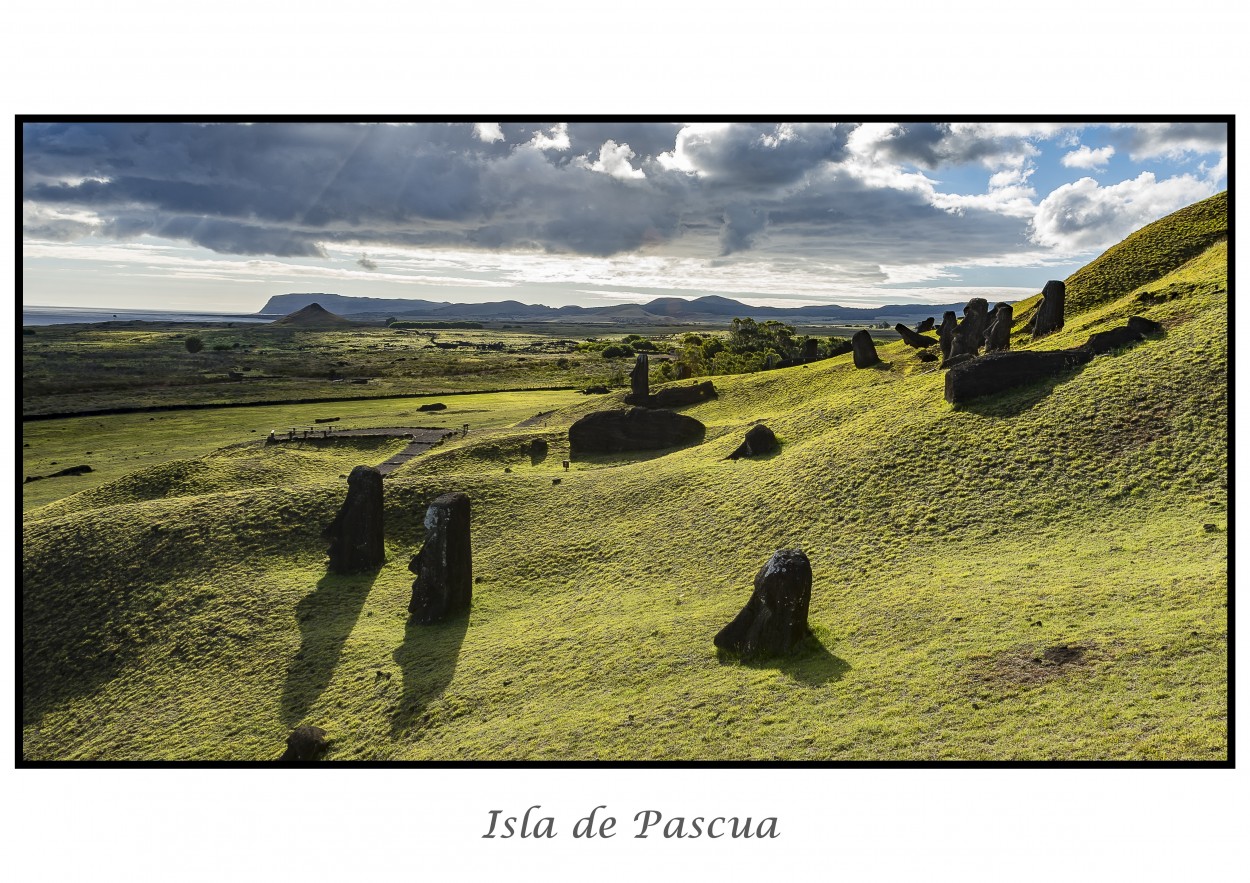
x=313, y=316
x=710, y=309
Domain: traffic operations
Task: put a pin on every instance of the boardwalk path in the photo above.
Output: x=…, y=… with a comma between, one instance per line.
x=421, y=441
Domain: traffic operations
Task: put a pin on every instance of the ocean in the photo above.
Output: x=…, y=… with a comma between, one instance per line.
x=35, y=315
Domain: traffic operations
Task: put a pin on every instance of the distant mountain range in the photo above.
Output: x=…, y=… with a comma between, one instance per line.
x=661, y=311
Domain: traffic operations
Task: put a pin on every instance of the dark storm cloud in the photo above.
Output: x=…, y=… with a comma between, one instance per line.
x=1160, y=139
x=931, y=145
x=289, y=189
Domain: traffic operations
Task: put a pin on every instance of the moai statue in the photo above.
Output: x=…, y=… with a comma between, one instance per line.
x=355, y=535
x=444, y=566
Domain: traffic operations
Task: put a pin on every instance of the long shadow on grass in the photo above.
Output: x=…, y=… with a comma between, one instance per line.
x=1012, y=403
x=326, y=617
x=427, y=660
x=811, y=663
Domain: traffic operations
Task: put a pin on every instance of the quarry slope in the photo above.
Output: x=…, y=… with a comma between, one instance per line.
x=1038, y=575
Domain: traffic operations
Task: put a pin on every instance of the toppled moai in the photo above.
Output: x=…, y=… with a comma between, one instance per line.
x=680, y=396
x=638, y=429
x=774, y=620
x=926, y=325
x=760, y=440
x=444, y=566
x=911, y=338
x=1049, y=316
x=355, y=535
x=863, y=350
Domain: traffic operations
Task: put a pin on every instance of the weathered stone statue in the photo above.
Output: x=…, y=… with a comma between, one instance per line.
x=444, y=566
x=355, y=535
x=926, y=325
x=638, y=429
x=774, y=620
x=946, y=333
x=639, y=379
x=863, y=350
x=970, y=335
x=1049, y=318
x=998, y=335
x=911, y=338
x=759, y=440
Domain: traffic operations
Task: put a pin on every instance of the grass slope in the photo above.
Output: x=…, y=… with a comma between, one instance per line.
x=955, y=552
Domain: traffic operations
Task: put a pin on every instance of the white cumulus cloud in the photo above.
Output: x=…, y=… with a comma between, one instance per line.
x=1085, y=217
x=556, y=139
x=614, y=161
x=1085, y=158
x=488, y=132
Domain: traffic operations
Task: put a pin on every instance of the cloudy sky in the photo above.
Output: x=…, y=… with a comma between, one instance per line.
x=221, y=217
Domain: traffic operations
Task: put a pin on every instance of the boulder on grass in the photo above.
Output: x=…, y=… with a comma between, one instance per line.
x=1106, y=341
x=760, y=440
x=304, y=744
x=636, y=429
x=774, y=620
x=444, y=566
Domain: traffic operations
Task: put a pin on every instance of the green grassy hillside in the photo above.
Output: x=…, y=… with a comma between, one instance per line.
x=1038, y=575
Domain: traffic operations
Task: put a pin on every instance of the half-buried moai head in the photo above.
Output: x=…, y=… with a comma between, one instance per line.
x=774, y=620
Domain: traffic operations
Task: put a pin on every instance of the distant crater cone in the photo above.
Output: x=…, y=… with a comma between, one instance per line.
x=313, y=315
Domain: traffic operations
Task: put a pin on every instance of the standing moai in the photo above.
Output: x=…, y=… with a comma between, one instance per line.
x=863, y=349
x=811, y=349
x=998, y=335
x=639, y=380
x=355, y=535
x=946, y=333
x=444, y=566
x=970, y=335
x=1049, y=316
x=774, y=620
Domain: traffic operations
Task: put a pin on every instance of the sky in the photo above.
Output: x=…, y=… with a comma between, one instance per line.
x=220, y=217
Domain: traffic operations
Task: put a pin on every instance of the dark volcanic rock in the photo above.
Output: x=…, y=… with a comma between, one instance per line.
x=926, y=356
x=946, y=333
x=1144, y=326
x=638, y=429
x=433, y=406
x=811, y=349
x=759, y=440
x=1106, y=341
x=537, y=451
x=639, y=383
x=304, y=744
x=998, y=335
x=444, y=566
x=774, y=621
x=355, y=535
x=996, y=372
x=1049, y=317
x=863, y=350
x=595, y=390
x=677, y=396
x=911, y=338
x=72, y=470
x=926, y=325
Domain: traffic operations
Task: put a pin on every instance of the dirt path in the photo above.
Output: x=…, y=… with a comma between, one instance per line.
x=422, y=440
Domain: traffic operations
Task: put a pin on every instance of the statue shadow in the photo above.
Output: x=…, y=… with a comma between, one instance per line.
x=326, y=616
x=427, y=660
x=1014, y=402
x=811, y=663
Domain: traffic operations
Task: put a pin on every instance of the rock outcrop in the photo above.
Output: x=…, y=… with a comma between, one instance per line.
x=444, y=566
x=356, y=534
x=759, y=440
x=774, y=620
x=636, y=429
x=1049, y=316
x=863, y=350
